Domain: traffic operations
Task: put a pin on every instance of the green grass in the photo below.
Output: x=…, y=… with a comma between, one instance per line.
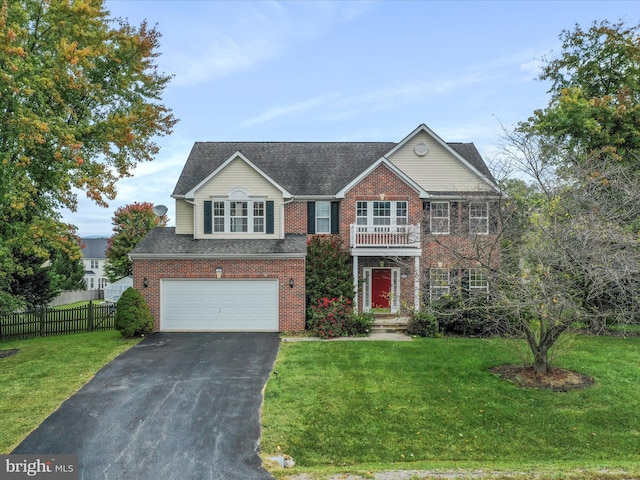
x=434, y=403
x=47, y=371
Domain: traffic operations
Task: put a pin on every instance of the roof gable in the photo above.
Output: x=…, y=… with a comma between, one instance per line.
x=390, y=166
x=300, y=168
x=236, y=156
x=465, y=153
x=320, y=169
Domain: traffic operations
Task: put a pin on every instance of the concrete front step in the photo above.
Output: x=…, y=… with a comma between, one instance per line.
x=390, y=323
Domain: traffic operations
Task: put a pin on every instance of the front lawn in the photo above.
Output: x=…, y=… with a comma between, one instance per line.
x=433, y=403
x=47, y=371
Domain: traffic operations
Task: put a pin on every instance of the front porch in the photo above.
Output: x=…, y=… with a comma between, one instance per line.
x=384, y=285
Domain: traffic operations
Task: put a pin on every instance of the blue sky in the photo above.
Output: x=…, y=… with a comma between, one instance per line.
x=342, y=71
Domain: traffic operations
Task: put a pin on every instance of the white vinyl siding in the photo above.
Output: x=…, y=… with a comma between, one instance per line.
x=238, y=174
x=184, y=217
x=438, y=170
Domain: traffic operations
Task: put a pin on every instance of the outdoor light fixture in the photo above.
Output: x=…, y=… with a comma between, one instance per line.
x=145, y=282
x=218, y=272
x=291, y=284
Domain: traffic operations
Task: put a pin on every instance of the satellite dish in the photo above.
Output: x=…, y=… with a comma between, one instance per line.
x=159, y=210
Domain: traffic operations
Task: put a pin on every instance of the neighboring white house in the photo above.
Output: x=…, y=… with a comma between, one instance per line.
x=114, y=290
x=94, y=258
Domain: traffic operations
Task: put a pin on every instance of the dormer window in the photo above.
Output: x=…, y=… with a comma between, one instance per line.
x=238, y=213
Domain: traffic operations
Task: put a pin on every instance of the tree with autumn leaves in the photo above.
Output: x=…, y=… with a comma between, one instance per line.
x=131, y=224
x=80, y=107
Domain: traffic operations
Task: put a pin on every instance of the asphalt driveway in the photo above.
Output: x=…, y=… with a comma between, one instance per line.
x=176, y=406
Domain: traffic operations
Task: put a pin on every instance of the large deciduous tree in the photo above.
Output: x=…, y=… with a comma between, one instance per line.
x=130, y=223
x=579, y=255
x=80, y=106
x=570, y=220
x=575, y=261
x=595, y=91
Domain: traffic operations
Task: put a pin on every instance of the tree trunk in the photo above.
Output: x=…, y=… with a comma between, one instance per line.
x=541, y=361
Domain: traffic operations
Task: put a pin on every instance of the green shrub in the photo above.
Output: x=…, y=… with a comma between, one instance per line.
x=133, y=317
x=359, y=324
x=423, y=324
x=466, y=316
x=328, y=271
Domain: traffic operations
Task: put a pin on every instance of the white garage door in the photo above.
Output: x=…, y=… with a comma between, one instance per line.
x=219, y=305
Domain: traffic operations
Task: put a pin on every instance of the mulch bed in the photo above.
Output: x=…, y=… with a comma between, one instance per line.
x=557, y=380
x=8, y=353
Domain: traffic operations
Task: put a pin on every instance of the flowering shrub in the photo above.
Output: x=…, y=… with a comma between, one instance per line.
x=328, y=317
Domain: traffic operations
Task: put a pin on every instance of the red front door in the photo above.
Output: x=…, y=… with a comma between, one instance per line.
x=380, y=288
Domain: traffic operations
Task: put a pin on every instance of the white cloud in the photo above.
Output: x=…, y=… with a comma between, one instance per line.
x=284, y=110
x=532, y=67
x=338, y=106
x=225, y=40
x=223, y=56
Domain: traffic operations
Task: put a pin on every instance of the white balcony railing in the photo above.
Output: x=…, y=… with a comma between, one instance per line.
x=396, y=236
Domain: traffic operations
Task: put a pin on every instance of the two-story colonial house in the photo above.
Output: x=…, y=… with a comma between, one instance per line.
x=94, y=257
x=244, y=211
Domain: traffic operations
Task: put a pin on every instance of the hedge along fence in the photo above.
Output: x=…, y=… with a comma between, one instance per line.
x=57, y=321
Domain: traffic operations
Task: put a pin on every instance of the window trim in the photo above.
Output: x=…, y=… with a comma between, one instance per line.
x=324, y=217
x=478, y=288
x=368, y=207
x=223, y=204
x=445, y=231
x=475, y=221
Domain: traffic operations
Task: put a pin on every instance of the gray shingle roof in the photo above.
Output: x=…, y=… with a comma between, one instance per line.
x=94, y=247
x=302, y=168
x=163, y=242
x=470, y=153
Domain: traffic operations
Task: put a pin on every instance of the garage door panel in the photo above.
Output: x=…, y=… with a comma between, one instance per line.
x=219, y=305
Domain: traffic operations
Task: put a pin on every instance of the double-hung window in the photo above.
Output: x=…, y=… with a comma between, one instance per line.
x=479, y=218
x=478, y=281
x=439, y=217
x=323, y=217
x=381, y=215
x=218, y=217
x=238, y=217
x=258, y=217
x=439, y=284
x=362, y=212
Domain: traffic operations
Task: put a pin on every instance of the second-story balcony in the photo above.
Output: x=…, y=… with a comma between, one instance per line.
x=385, y=236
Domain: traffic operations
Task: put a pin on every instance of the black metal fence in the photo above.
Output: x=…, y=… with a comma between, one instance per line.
x=57, y=321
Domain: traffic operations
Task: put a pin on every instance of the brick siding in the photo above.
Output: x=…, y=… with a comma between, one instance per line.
x=291, y=300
